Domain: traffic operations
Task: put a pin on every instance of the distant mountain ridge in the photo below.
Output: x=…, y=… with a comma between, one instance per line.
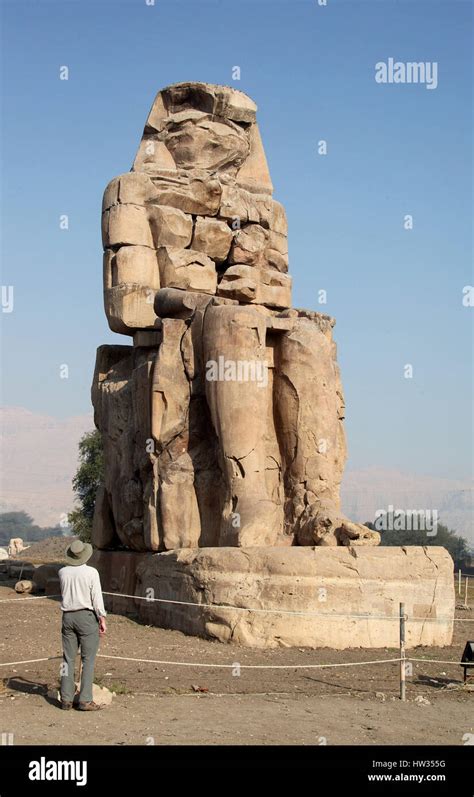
x=39, y=460
x=370, y=489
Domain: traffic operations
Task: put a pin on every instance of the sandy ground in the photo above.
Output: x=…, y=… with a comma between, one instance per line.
x=239, y=719
x=158, y=703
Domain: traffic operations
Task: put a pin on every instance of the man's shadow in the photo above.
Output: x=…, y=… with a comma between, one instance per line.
x=19, y=684
x=437, y=683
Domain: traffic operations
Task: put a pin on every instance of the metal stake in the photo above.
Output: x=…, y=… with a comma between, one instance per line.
x=402, y=652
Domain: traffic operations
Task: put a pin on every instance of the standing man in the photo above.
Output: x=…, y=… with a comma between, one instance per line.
x=83, y=620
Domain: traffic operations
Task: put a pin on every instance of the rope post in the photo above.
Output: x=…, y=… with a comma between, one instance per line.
x=459, y=581
x=465, y=592
x=402, y=652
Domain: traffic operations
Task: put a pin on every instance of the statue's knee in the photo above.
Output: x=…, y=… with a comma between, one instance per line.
x=235, y=326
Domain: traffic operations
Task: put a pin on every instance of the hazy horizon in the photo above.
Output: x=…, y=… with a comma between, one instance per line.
x=53, y=444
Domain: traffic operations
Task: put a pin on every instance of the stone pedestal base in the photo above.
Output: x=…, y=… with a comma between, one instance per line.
x=332, y=584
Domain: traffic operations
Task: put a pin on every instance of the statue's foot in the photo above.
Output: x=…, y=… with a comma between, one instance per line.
x=350, y=533
x=322, y=524
x=254, y=521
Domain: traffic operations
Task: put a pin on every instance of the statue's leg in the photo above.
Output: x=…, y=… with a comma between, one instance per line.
x=177, y=508
x=309, y=407
x=121, y=398
x=237, y=390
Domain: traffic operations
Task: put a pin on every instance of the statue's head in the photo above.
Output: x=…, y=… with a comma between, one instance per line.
x=195, y=214
x=196, y=141
x=198, y=126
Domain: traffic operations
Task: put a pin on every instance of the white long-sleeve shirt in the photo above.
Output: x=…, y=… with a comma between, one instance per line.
x=81, y=589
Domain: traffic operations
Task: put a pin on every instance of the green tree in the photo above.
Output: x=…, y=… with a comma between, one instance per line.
x=20, y=524
x=457, y=546
x=86, y=482
x=15, y=524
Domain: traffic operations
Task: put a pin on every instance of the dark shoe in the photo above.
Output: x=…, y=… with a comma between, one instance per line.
x=66, y=705
x=89, y=706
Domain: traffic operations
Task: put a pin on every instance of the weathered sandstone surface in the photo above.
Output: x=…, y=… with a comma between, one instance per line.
x=301, y=596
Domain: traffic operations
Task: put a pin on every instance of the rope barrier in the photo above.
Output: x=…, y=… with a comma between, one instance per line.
x=402, y=659
x=31, y=598
x=27, y=661
x=285, y=611
x=214, y=665
x=434, y=661
x=326, y=615
x=251, y=666
x=250, y=609
x=242, y=666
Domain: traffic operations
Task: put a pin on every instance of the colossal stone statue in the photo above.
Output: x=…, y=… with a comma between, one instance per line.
x=223, y=423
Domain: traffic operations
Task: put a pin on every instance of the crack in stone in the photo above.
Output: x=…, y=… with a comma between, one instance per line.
x=434, y=592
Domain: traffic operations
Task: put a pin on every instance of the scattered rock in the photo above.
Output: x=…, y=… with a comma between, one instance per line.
x=24, y=586
x=100, y=694
x=422, y=701
x=15, y=546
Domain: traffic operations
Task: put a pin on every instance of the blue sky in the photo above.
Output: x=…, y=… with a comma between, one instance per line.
x=392, y=150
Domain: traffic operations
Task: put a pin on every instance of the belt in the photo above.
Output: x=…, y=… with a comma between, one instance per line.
x=85, y=609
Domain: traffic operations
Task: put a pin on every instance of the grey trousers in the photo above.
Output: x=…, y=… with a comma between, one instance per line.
x=79, y=629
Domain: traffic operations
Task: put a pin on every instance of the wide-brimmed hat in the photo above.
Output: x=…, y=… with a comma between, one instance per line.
x=78, y=552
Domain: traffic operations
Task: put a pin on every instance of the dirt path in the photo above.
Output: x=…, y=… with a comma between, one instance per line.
x=238, y=719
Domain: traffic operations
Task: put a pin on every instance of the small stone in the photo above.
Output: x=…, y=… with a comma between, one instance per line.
x=100, y=694
x=24, y=586
x=422, y=701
